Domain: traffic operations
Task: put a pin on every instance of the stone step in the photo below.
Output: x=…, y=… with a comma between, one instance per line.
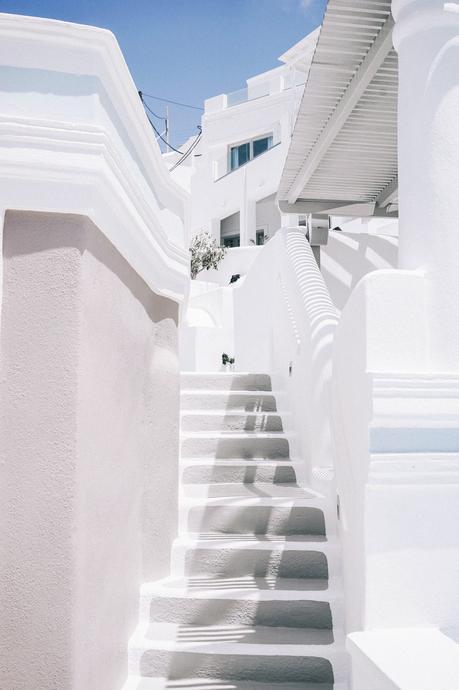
x=248, y=444
x=231, y=421
x=236, y=555
x=139, y=683
x=258, y=653
x=257, y=515
x=241, y=601
x=203, y=471
x=244, y=401
x=225, y=381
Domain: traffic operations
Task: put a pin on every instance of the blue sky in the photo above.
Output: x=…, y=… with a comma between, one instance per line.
x=189, y=50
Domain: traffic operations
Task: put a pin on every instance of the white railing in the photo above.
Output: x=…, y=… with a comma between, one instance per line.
x=248, y=94
x=284, y=324
x=261, y=89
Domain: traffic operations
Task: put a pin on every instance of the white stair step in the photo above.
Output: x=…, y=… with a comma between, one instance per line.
x=241, y=601
x=255, y=599
x=258, y=653
x=205, y=472
x=256, y=515
x=247, y=401
x=259, y=492
x=247, y=444
x=225, y=381
x=222, y=420
x=234, y=555
x=139, y=683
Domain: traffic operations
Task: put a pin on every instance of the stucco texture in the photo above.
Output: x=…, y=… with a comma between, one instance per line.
x=89, y=445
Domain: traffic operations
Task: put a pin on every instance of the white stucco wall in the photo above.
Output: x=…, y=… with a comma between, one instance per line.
x=89, y=464
x=349, y=256
x=269, y=110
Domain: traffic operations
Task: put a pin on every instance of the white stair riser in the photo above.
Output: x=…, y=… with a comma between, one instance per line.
x=225, y=381
x=231, y=422
x=220, y=473
x=221, y=447
x=136, y=683
x=254, y=402
x=133, y=683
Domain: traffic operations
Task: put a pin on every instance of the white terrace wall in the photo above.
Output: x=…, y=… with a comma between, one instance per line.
x=94, y=267
x=396, y=365
x=284, y=323
x=89, y=439
x=349, y=256
x=344, y=261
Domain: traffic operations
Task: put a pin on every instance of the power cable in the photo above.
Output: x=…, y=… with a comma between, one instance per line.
x=189, y=151
x=167, y=100
x=154, y=128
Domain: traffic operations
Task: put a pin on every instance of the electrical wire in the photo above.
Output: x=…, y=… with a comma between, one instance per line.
x=154, y=128
x=159, y=117
x=167, y=100
x=189, y=151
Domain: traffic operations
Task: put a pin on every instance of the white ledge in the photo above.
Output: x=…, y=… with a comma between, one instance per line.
x=74, y=139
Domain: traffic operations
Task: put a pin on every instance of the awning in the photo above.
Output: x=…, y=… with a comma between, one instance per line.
x=343, y=153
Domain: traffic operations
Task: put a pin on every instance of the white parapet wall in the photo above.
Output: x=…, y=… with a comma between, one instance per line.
x=403, y=659
x=395, y=385
x=76, y=140
x=95, y=264
x=284, y=324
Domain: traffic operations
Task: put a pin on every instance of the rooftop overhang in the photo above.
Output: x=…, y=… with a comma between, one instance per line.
x=342, y=158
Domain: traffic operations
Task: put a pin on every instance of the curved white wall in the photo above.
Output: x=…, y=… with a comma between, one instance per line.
x=349, y=256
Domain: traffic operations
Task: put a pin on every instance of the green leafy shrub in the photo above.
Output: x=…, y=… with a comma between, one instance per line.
x=205, y=253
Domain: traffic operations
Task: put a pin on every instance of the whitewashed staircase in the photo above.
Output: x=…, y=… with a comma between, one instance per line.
x=254, y=600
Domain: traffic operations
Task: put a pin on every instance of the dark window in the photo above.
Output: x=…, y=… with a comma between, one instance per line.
x=260, y=236
x=250, y=149
x=232, y=241
x=240, y=155
x=260, y=146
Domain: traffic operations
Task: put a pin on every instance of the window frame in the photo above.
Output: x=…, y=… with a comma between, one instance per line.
x=250, y=142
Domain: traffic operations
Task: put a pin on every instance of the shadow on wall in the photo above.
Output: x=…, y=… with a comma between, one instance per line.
x=348, y=257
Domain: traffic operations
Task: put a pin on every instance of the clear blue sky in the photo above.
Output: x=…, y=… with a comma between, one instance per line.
x=189, y=50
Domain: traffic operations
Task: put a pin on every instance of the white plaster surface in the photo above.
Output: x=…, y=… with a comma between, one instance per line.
x=284, y=318
x=75, y=139
x=347, y=257
x=268, y=110
x=406, y=659
x=89, y=449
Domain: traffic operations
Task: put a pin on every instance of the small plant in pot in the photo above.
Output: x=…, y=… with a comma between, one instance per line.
x=227, y=362
x=206, y=253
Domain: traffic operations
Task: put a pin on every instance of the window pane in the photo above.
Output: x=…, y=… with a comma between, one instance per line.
x=260, y=236
x=261, y=145
x=244, y=155
x=233, y=159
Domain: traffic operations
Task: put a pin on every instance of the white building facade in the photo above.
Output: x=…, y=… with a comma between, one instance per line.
x=233, y=174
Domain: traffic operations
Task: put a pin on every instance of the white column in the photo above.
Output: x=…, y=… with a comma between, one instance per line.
x=426, y=37
x=249, y=222
x=215, y=228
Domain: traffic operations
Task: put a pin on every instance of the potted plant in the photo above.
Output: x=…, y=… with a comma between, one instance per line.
x=227, y=362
